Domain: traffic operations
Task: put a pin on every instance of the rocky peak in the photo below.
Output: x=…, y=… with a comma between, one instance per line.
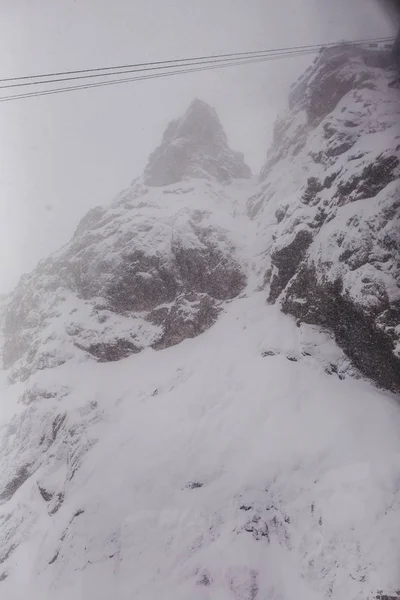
x=195, y=145
x=141, y=272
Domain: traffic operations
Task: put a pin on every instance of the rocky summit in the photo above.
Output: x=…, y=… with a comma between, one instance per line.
x=150, y=270
x=195, y=146
x=200, y=390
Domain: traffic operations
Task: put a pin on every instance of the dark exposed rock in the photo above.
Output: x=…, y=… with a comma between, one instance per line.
x=280, y=213
x=204, y=579
x=329, y=130
x=339, y=149
x=374, y=178
x=255, y=202
x=22, y=474
x=36, y=394
x=47, y=496
x=265, y=523
x=176, y=322
x=53, y=560
x=287, y=259
x=193, y=485
x=59, y=499
x=356, y=332
x=7, y=554
x=266, y=278
x=111, y=352
x=326, y=94
x=57, y=424
x=331, y=83
x=269, y=353
x=349, y=123
x=141, y=282
x=209, y=271
x=313, y=188
x=329, y=179
x=292, y=358
x=317, y=157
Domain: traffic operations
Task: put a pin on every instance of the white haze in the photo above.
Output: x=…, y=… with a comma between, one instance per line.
x=61, y=155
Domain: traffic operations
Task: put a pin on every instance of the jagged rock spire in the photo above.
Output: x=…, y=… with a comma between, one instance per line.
x=195, y=146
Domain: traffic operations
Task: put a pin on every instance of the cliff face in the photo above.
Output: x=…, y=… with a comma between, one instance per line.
x=328, y=209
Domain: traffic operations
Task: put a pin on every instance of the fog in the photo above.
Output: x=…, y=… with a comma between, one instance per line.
x=61, y=155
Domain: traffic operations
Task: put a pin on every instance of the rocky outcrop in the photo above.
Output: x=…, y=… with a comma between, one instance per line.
x=150, y=270
x=287, y=260
x=332, y=232
x=195, y=146
x=359, y=332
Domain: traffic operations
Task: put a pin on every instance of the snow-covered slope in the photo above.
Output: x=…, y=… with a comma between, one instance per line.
x=165, y=432
x=331, y=230
x=228, y=467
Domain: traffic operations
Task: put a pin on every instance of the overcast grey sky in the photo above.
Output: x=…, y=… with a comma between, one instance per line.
x=63, y=154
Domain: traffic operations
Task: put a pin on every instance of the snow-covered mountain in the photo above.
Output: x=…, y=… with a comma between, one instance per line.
x=167, y=432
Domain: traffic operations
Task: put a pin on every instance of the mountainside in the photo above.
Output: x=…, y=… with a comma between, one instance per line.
x=150, y=270
x=166, y=430
x=332, y=229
